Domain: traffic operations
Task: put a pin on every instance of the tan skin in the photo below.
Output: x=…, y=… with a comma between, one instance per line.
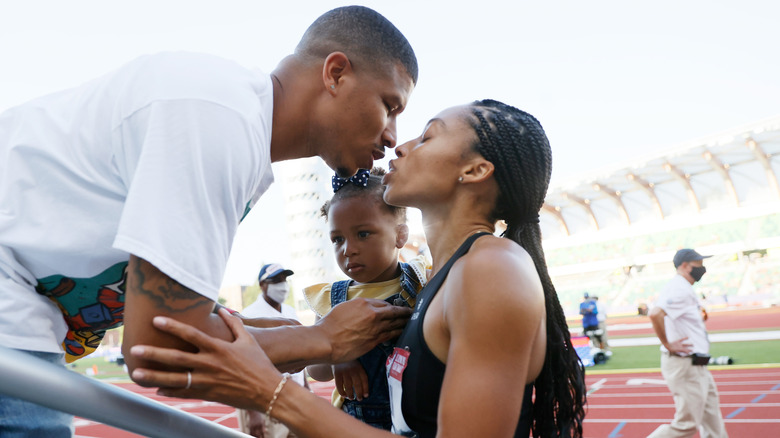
x=486, y=323
x=329, y=110
x=344, y=334
x=321, y=107
x=680, y=346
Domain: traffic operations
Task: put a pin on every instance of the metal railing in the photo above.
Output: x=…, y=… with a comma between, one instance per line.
x=32, y=379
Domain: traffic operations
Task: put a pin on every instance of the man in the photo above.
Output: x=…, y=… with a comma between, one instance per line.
x=588, y=311
x=274, y=290
x=119, y=199
x=679, y=324
x=601, y=317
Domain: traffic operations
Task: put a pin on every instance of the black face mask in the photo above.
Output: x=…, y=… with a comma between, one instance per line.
x=697, y=272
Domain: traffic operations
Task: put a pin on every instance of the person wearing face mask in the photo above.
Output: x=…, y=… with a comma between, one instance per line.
x=678, y=321
x=270, y=304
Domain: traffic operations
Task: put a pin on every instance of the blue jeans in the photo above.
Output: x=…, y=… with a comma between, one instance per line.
x=22, y=419
x=372, y=414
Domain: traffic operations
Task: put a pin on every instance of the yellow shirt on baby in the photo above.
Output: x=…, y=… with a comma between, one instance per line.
x=318, y=297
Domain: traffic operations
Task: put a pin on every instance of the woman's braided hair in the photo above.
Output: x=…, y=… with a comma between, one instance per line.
x=516, y=144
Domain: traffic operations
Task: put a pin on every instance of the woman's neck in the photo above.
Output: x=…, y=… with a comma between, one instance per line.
x=445, y=233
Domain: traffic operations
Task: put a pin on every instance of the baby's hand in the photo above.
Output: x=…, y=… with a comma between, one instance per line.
x=351, y=380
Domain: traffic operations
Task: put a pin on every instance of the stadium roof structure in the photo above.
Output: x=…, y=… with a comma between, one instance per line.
x=730, y=170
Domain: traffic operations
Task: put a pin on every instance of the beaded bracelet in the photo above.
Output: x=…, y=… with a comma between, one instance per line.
x=279, y=387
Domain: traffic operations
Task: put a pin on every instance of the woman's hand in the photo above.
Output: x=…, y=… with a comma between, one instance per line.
x=236, y=373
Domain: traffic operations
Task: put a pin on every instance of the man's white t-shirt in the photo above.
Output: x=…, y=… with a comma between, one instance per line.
x=261, y=309
x=160, y=158
x=683, y=314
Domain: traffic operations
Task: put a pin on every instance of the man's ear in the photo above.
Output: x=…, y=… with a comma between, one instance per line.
x=335, y=68
x=478, y=170
x=401, y=235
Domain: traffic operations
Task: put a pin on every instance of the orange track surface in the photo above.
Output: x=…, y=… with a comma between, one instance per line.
x=620, y=405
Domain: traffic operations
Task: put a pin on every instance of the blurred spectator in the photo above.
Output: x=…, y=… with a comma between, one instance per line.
x=270, y=304
x=588, y=311
x=601, y=316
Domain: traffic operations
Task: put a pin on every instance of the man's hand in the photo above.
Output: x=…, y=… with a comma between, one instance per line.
x=351, y=380
x=680, y=347
x=704, y=314
x=356, y=326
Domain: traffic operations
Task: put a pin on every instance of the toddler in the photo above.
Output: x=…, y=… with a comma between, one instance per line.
x=367, y=235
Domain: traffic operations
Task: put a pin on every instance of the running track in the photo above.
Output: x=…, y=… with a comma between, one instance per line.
x=634, y=404
x=620, y=405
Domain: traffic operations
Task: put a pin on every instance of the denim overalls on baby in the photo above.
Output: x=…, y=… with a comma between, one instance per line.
x=375, y=409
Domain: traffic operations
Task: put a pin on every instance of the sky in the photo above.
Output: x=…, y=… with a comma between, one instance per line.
x=610, y=81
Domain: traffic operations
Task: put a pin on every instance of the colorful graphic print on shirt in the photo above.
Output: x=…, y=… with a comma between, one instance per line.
x=90, y=306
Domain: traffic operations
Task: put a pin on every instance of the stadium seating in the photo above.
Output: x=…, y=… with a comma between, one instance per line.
x=626, y=273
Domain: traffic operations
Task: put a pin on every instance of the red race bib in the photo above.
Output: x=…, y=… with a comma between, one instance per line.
x=396, y=364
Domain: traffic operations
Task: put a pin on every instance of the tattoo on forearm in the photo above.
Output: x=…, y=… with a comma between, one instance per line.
x=166, y=293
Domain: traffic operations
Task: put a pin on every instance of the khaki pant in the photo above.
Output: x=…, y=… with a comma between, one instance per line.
x=604, y=344
x=274, y=429
x=695, y=399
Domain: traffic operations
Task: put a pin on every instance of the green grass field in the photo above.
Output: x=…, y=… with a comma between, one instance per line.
x=106, y=370
x=743, y=353
x=649, y=356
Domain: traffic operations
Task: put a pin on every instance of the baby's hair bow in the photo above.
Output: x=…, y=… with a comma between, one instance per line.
x=360, y=179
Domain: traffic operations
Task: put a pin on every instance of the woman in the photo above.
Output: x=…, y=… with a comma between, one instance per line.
x=487, y=330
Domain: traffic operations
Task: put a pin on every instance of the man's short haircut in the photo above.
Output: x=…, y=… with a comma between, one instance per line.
x=364, y=35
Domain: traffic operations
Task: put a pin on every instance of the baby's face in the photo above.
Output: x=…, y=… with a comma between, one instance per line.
x=365, y=239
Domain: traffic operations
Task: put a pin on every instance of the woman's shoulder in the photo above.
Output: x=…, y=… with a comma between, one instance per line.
x=494, y=289
x=497, y=254
x=499, y=265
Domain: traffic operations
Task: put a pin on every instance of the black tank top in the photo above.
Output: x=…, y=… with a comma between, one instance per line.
x=424, y=373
